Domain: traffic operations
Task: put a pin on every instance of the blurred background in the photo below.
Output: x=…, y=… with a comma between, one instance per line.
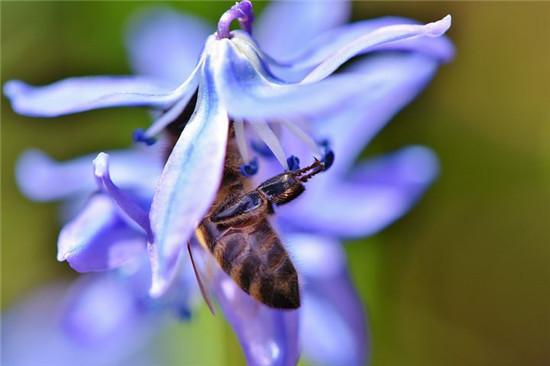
x=464, y=279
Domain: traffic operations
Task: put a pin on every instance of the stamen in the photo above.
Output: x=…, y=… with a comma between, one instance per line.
x=250, y=169
x=293, y=162
x=241, y=11
x=241, y=139
x=299, y=133
x=140, y=136
x=272, y=141
x=328, y=159
x=124, y=202
x=183, y=312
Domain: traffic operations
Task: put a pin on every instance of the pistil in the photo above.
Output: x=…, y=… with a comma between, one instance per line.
x=242, y=11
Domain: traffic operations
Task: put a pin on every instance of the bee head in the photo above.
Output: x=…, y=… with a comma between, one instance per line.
x=282, y=188
x=287, y=186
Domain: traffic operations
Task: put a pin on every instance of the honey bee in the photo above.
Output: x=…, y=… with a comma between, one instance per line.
x=237, y=232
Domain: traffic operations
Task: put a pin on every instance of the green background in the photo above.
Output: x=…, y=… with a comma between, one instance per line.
x=464, y=279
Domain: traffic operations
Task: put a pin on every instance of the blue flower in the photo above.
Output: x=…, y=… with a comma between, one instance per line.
x=277, y=90
x=92, y=322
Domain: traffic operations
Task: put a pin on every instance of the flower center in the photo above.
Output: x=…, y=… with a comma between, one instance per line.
x=266, y=143
x=241, y=11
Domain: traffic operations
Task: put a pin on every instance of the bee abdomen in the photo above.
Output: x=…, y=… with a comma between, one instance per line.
x=263, y=270
x=278, y=288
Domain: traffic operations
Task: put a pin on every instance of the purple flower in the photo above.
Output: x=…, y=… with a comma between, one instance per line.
x=277, y=90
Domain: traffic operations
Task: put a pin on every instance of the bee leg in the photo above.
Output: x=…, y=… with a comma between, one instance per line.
x=202, y=288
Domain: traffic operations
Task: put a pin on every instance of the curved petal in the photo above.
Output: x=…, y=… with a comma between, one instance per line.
x=285, y=26
x=36, y=324
x=128, y=205
x=165, y=44
x=80, y=94
x=332, y=321
x=269, y=337
x=250, y=93
x=98, y=239
x=326, y=43
x=373, y=40
x=189, y=182
x=381, y=191
x=43, y=179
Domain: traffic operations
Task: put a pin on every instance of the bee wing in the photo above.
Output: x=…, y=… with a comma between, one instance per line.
x=202, y=287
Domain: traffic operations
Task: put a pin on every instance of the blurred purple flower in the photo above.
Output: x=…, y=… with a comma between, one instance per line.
x=275, y=106
x=48, y=328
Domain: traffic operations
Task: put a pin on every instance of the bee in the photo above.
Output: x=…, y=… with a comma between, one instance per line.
x=237, y=231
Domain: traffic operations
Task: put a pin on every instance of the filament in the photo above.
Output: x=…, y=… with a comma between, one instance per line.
x=241, y=140
x=272, y=141
x=304, y=137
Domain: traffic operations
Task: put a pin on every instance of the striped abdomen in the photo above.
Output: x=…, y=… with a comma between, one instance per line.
x=256, y=260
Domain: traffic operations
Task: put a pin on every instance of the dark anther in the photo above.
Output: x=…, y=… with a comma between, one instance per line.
x=328, y=154
x=293, y=162
x=183, y=313
x=248, y=170
x=324, y=143
x=139, y=136
x=328, y=159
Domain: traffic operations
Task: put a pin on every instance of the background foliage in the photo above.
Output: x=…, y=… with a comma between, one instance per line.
x=462, y=280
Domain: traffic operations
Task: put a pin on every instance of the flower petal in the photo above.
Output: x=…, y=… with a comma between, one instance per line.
x=332, y=321
x=99, y=307
x=125, y=202
x=390, y=83
x=373, y=40
x=42, y=179
x=327, y=42
x=165, y=44
x=285, y=26
x=250, y=93
x=188, y=88
x=98, y=239
x=35, y=324
x=381, y=191
x=189, y=182
x=267, y=336
x=80, y=94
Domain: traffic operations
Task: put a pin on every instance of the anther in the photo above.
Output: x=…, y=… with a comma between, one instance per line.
x=183, y=313
x=250, y=169
x=139, y=136
x=328, y=159
x=241, y=11
x=293, y=162
x=328, y=154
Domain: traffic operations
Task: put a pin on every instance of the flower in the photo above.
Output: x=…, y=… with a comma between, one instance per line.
x=235, y=81
x=91, y=322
